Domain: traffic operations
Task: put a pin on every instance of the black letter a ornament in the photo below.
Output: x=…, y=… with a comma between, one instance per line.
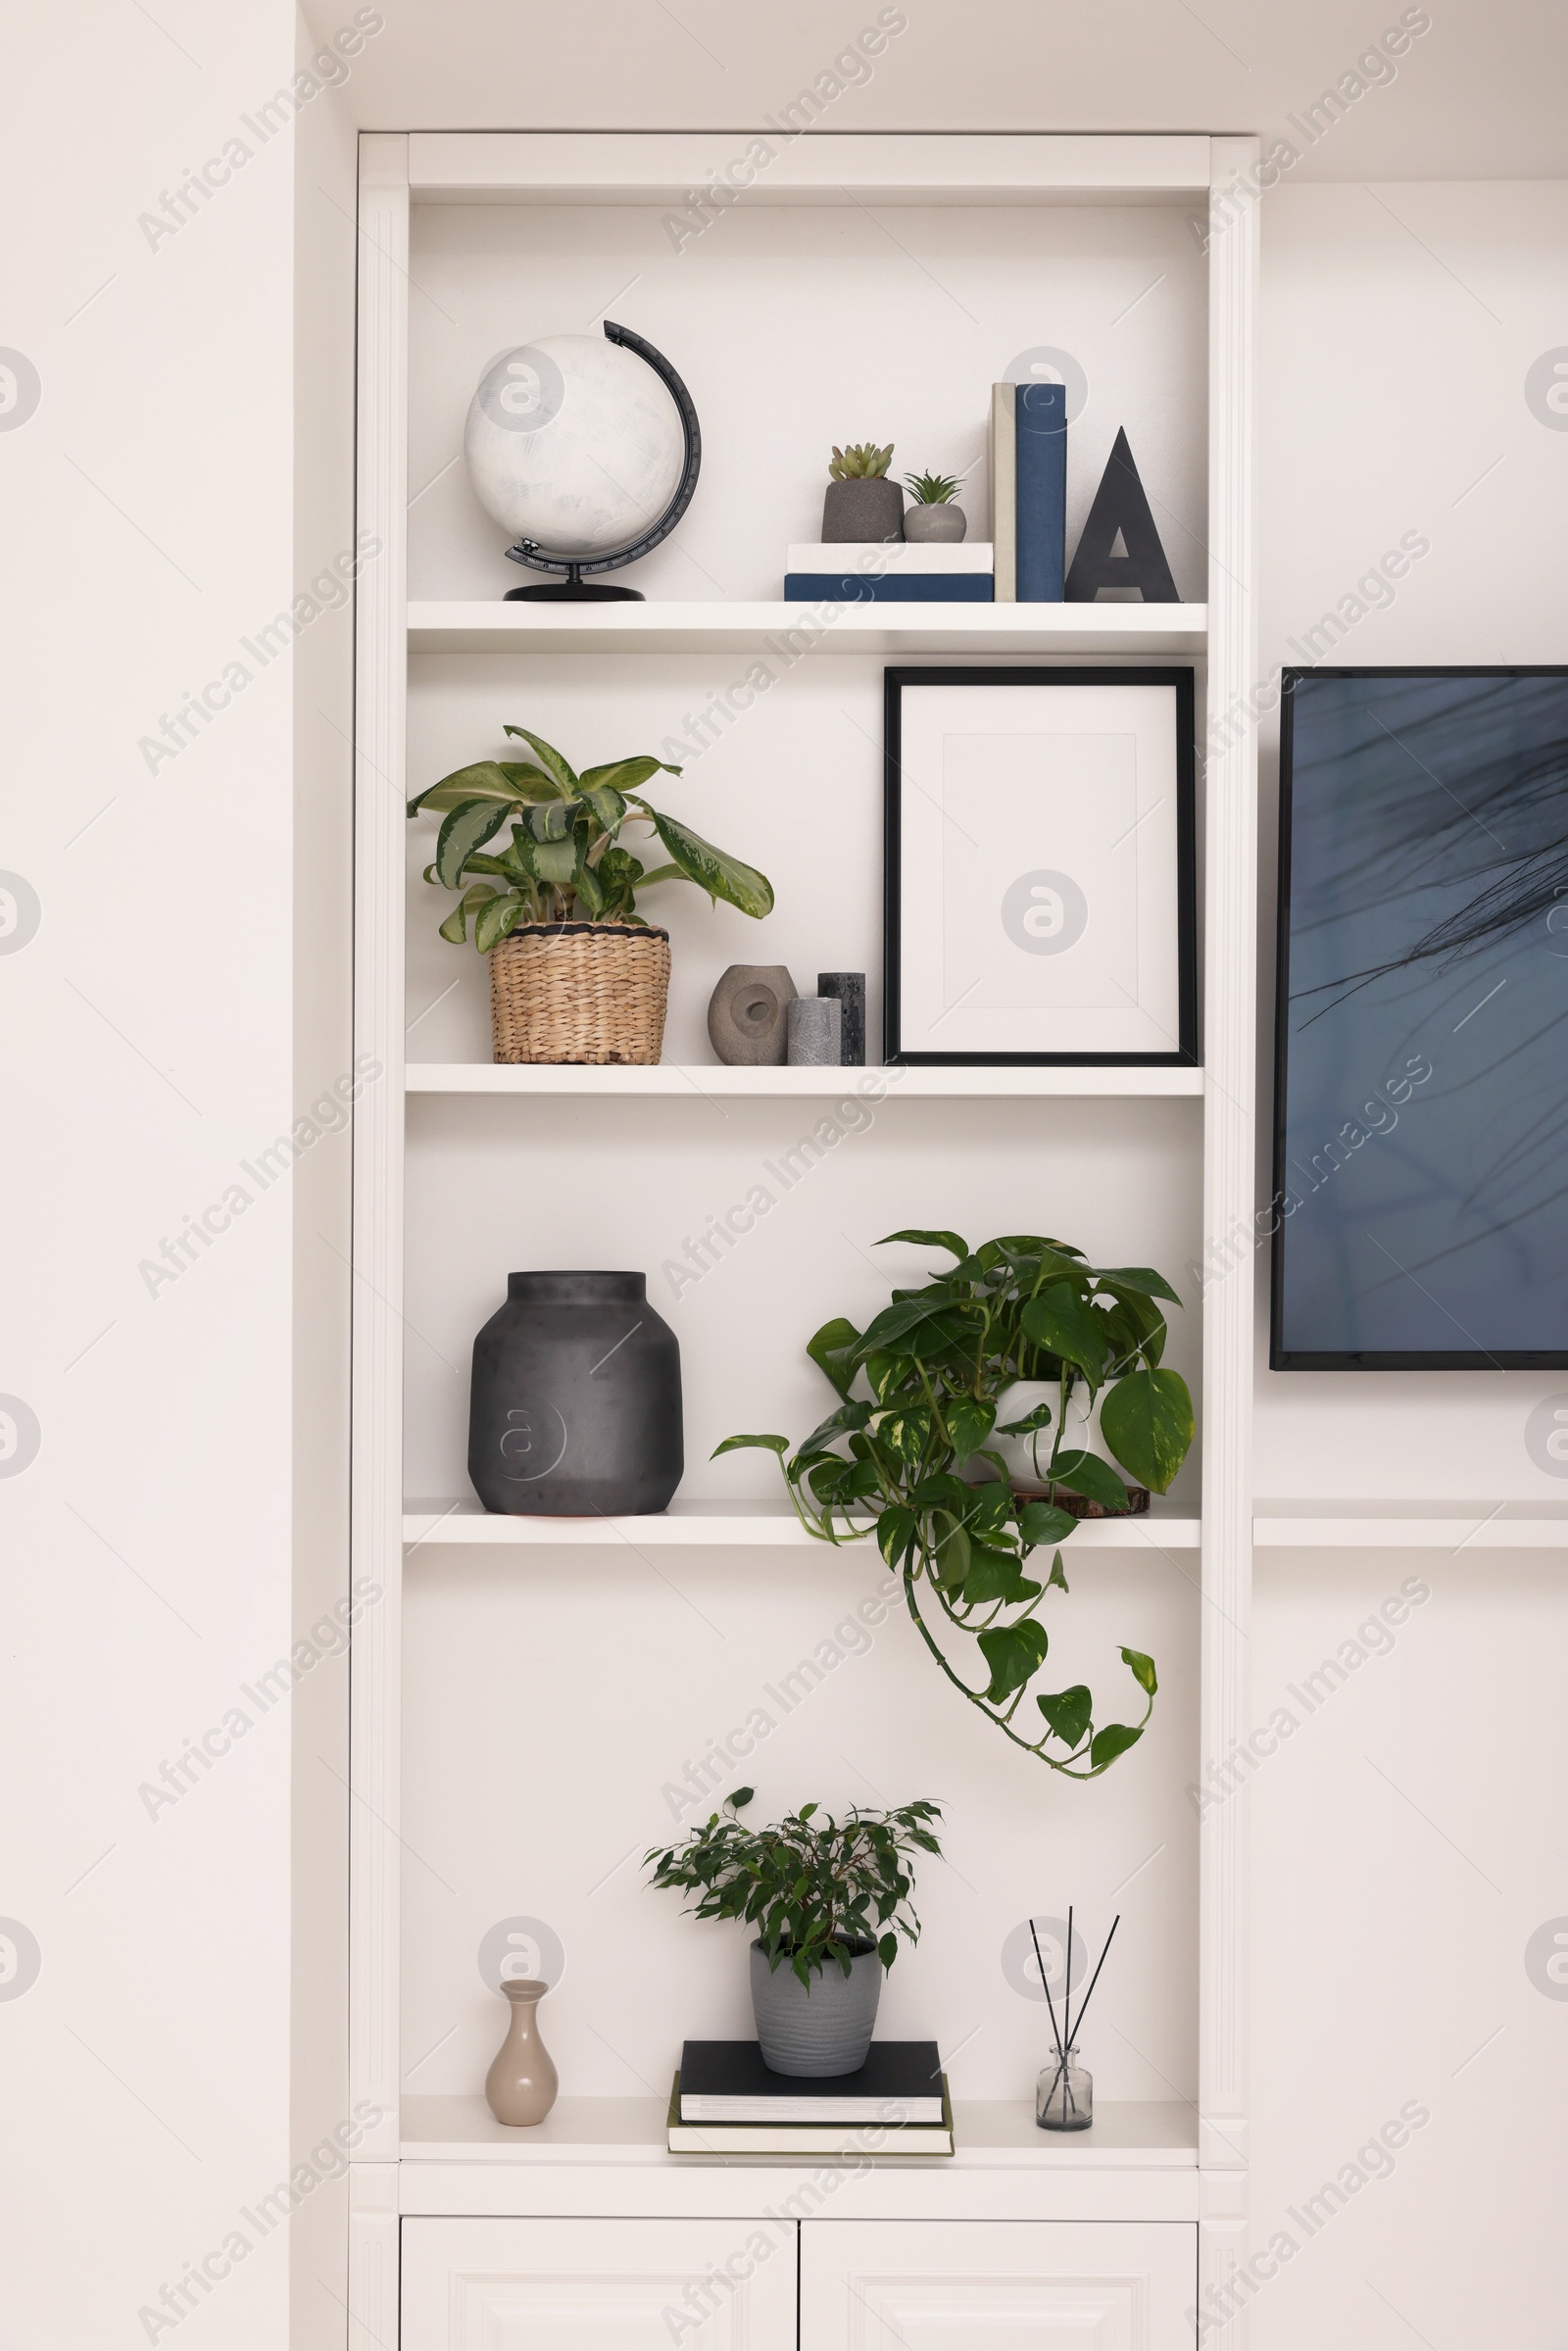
x=1120, y=509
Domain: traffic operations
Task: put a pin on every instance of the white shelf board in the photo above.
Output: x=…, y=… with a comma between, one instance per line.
x=863, y=628
x=709, y=1082
x=999, y=2133
x=1426, y=1526
x=837, y=167
x=748, y=1525
x=705, y=1525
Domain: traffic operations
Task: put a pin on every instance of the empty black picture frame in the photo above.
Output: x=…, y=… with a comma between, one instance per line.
x=1186, y=1054
x=1423, y=920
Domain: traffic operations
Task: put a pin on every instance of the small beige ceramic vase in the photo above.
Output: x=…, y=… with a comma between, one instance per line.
x=520, y=2086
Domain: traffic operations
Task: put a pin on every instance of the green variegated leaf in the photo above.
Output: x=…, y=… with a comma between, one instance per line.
x=713, y=869
x=951, y=1556
x=556, y=861
x=895, y=1534
x=625, y=775
x=969, y=1423
x=826, y=1432
x=550, y=819
x=1014, y=1653
x=549, y=760
x=466, y=827
x=1113, y=1740
x=929, y=1240
x=497, y=921
x=456, y=925
x=1087, y=1474
x=1142, y=1668
x=1147, y=1420
x=588, y=889
x=735, y=1444
x=1043, y=1522
x=606, y=805
x=833, y=1350
x=1138, y=1279
x=1068, y=1713
x=995, y=1575
x=1058, y=1321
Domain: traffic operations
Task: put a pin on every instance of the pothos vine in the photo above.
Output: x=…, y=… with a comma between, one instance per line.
x=911, y=1460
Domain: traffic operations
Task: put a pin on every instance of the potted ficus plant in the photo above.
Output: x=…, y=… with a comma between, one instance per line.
x=861, y=505
x=932, y=517
x=997, y=1348
x=829, y=1899
x=576, y=973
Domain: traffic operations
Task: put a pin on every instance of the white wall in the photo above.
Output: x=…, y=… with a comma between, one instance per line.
x=1408, y=1836
x=149, y=1034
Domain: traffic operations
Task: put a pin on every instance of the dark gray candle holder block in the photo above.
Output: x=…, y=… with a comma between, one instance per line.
x=849, y=988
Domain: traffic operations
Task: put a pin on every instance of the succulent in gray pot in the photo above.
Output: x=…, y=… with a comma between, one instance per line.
x=932, y=518
x=829, y=1899
x=861, y=505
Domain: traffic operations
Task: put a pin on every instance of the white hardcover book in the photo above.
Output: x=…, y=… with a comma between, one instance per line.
x=892, y=555
x=1003, y=495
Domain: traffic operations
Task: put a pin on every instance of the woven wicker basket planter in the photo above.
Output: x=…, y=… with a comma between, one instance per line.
x=579, y=992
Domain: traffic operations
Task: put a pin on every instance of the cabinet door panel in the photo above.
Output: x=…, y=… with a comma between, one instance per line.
x=598, y=2285
x=997, y=2286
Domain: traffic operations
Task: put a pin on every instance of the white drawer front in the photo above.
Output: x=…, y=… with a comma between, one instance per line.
x=997, y=2286
x=598, y=2285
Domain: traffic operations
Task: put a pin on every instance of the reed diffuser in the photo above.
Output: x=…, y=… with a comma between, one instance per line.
x=1064, y=2095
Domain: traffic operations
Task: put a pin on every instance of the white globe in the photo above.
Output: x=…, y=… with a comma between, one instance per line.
x=575, y=443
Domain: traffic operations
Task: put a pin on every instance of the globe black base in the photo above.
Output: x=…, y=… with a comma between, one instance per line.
x=574, y=591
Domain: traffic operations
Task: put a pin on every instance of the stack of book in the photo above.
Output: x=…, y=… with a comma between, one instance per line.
x=892, y=571
x=727, y=2101
x=1028, y=491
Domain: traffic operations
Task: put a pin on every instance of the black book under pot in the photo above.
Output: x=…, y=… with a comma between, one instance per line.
x=575, y=1405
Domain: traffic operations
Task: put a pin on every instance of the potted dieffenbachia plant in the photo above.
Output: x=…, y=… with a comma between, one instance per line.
x=539, y=856
x=829, y=1899
x=1013, y=1346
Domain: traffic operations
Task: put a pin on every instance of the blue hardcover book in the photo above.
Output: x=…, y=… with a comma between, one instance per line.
x=1040, y=417
x=922, y=587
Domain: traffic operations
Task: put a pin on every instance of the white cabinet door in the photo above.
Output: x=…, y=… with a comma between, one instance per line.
x=598, y=2285
x=998, y=2285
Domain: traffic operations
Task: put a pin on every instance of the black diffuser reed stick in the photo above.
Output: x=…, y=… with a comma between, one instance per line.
x=1095, y=1978
x=1044, y=1985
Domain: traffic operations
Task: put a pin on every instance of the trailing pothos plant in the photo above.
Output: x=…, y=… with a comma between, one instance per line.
x=566, y=860
x=818, y=1890
x=910, y=1458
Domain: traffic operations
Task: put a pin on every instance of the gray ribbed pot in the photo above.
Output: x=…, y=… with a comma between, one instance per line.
x=819, y=2035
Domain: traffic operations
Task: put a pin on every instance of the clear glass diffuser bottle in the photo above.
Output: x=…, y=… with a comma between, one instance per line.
x=1065, y=2095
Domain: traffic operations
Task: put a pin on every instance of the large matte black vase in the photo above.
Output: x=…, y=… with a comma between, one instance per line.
x=575, y=1405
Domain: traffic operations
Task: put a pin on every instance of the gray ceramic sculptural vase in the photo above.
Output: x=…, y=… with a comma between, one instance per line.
x=575, y=1405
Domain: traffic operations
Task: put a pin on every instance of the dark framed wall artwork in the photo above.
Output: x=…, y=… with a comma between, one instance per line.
x=1420, y=1207
x=1040, y=893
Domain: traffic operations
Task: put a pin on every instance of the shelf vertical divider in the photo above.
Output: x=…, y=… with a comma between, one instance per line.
x=375, y=1521
x=1229, y=1175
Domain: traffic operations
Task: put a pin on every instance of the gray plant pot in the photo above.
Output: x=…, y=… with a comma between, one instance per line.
x=855, y=513
x=935, y=525
x=819, y=2035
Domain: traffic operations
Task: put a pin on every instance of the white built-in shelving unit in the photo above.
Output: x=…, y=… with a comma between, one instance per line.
x=517, y=1682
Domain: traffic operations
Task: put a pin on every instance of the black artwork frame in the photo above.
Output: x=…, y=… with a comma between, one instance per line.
x=1281, y=1356
x=1187, y=1055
